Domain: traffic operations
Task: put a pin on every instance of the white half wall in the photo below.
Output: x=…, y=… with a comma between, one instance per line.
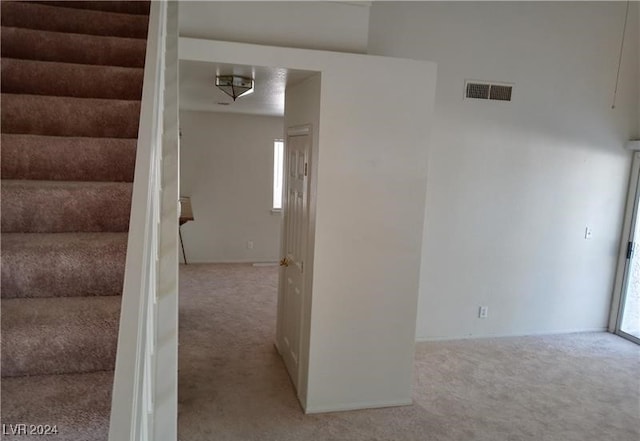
x=371, y=185
x=328, y=25
x=226, y=167
x=512, y=186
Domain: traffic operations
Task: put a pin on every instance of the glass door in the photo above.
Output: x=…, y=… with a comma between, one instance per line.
x=628, y=313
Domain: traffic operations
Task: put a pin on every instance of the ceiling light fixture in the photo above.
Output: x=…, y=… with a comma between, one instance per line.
x=234, y=86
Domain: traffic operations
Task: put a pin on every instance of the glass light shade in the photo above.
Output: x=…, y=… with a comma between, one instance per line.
x=234, y=86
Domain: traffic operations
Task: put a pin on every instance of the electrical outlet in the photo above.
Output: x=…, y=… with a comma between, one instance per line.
x=483, y=312
x=588, y=233
x=249, y=244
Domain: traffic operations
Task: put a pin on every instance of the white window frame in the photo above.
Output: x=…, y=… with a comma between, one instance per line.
x=278, y=175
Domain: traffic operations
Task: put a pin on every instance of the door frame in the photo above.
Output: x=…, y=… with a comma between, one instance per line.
x=628, y=227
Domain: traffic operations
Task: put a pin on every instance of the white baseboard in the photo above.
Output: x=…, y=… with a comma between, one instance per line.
x=525, y=334
x=356, y=406
x=259, y=262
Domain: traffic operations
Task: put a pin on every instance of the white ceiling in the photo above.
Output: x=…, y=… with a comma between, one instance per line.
x=198, y=90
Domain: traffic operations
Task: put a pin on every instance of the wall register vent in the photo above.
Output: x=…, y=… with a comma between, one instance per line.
x=488, y=91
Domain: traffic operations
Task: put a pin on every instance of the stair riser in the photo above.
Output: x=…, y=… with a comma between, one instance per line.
x=49, y=339
x=125, y=7
x=55, y=116
x=63, y=265
x=82, y=208
x=72, y=80
x=72, y=48
x=78, y=21
x=68, y=159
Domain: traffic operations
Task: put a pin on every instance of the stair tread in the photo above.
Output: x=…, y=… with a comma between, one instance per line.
x=59, y=335
x=129, y=7
x=42, y=157
x=68, y=47
x=69, y=116
x=53, y=78
x=64, y=241
x=64, y=206
x=96, y=101
x=48, y=17
x=60, y=184
x=62, y=264
x=79, y=404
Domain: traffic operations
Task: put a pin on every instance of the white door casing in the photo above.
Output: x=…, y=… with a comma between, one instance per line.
x=296, y=218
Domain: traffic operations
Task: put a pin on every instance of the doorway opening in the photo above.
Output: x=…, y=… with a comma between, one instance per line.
x=625, y=315
x=246, y=248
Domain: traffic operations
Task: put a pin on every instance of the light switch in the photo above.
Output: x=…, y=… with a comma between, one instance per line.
x=588, y=233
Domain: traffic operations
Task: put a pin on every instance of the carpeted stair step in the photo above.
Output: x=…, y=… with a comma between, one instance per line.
x=72, y=80
x=64, y=116
x=65, y=206
x=63, y=264
x=59, y=335
x=67, y=158
x=48, y=17
x=127, y=7
x=33, y=44
x=78, y=404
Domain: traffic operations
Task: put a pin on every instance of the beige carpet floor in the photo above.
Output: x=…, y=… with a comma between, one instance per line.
x=233, y=385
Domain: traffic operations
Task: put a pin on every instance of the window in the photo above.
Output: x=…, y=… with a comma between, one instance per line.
x=278, y=165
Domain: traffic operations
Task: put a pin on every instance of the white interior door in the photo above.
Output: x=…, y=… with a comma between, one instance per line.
x=295, y=245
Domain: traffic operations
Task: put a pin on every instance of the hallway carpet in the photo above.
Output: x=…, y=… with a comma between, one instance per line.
x=233, y=385
x=71, y=80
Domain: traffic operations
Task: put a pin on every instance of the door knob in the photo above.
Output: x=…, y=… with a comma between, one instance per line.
x=284, y=262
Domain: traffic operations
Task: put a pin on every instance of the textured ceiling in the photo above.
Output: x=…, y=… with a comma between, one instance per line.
x=198, y=90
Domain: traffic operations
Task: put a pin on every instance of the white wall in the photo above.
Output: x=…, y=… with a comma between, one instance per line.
x=371, y=178
x=370, y=212
x=227, y=170
x=513, y=185
x=337, y=26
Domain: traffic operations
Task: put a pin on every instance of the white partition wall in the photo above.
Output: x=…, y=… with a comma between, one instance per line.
x=367, y=212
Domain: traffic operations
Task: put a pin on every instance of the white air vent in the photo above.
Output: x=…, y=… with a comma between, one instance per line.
x=488, y=91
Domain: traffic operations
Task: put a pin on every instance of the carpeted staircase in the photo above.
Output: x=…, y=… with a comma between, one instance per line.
x=71, y=86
